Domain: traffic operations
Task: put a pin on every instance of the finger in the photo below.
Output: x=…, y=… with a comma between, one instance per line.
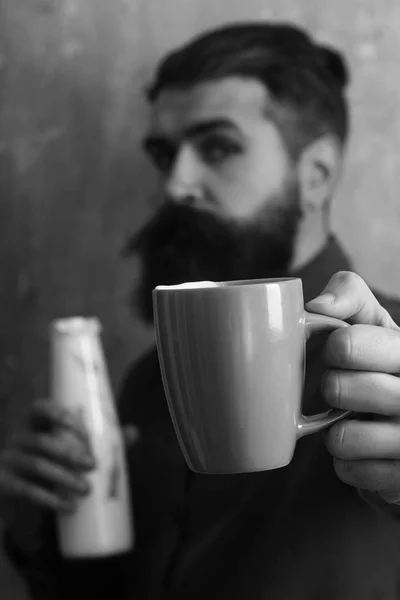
x=364, y=347
x=354, y=440
x=63, y=449
x=46, y=413
x=15, y=487
x=47, y=416
x=382, y=476
x=131, y=435
x=362, y=392
x=348, y=297
x=44, y=470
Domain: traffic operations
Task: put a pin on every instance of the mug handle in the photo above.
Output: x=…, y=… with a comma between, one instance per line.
x=311, y=424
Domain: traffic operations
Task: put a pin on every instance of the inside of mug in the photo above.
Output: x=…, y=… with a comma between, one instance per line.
x=213, y=284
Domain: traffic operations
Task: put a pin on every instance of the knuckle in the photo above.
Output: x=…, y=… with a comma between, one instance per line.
x=385, y=320
x=352, y=278
x=348, y=278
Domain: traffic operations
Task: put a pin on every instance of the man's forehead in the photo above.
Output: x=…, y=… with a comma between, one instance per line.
x=235, y=98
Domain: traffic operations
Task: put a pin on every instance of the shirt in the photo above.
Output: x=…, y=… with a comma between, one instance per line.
x=295, y=533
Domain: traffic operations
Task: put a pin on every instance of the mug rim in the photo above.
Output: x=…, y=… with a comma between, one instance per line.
x=223, y=285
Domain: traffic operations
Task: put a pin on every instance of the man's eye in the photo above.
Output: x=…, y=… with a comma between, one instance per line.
x=215, y=151
x=162, y=160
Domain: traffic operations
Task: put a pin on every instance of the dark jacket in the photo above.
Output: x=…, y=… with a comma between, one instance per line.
x=296, y=533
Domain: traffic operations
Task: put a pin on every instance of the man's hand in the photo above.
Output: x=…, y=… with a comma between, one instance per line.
x=47, y=461
x=364, y=363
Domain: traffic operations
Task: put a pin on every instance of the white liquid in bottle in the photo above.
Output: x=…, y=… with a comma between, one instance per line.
x=102, y=525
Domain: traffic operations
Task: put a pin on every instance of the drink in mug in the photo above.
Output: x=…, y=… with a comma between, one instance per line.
x=102, y=524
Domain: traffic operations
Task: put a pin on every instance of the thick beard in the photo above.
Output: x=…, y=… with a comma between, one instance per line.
x=181, y=245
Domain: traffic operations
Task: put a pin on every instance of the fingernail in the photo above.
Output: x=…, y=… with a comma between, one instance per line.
x=82, y=461
x=327, y=298
x=67, y=507
x=83, y=487
x=89, y=462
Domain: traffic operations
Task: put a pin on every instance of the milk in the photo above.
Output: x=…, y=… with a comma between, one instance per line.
x=102, y=523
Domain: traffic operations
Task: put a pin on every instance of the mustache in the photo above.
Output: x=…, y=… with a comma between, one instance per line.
x=183, y=226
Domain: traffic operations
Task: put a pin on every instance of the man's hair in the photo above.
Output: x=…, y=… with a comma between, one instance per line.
x=306, y=81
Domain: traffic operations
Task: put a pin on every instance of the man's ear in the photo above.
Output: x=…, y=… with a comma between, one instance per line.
x=319, y=167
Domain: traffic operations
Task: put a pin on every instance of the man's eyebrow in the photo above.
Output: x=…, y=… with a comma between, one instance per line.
x=192, y=131
x=209, y=126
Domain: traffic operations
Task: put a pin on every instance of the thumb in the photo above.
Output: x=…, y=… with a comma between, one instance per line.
x=131, y=435
x=348, y=297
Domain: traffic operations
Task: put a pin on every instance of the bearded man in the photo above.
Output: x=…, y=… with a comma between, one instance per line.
x=247, y=132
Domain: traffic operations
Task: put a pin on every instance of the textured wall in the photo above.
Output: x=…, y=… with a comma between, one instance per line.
x=73, y=183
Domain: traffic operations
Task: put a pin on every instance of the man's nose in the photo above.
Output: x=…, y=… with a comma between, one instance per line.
x=183, y=183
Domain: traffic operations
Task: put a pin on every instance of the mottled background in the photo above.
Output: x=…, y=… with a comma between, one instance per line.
x=73, y=183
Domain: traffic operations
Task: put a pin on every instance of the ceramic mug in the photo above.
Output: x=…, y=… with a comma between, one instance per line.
x=232, y=357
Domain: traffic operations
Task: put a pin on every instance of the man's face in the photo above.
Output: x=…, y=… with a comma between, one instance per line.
x=230, y=196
